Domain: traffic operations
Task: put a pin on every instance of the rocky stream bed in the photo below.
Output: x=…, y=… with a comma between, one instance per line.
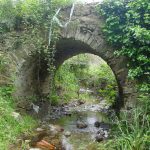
x=73, y=126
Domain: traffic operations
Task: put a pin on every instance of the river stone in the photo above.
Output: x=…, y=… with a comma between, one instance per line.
x=16, y=116
x=97, y=124
x=55, y=129
x=101, y=132
x=67, y=133
x=67, y=114
x=105, y=126
x=106, y=134
x=80, y=102
x=81, y=125
x=99, y=138
x=40, y=130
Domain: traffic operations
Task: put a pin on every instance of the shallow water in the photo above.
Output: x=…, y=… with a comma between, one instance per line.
x=80, y=139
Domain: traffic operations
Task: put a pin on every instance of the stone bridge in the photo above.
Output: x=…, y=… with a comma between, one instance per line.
x=82, y=35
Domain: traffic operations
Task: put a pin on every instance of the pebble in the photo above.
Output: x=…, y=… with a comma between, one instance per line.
x=101, y=132
x=99, y=138
x=39, y=130
x=97, y=124
x=67, y=133
x=106, y=134
x=81, y=125
x=27, y=141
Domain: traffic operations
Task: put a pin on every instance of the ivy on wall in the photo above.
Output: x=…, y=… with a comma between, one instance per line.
x=34, y=19
x=127, y=27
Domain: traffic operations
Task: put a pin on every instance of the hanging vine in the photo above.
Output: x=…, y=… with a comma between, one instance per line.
x=52, y=47
x=38, y=22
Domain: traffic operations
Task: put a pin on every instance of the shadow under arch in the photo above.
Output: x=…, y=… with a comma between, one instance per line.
x=67, y=48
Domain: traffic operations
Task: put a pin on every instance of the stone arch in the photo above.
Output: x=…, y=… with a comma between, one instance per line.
x=119, y=90
x=33, y=80
x=82, y=35
x=69, y=47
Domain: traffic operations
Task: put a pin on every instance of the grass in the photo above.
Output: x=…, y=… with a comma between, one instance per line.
x=131, y=131
x=10, y=128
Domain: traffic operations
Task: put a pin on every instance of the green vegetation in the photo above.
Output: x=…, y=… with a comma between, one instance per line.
x=35, y=21
x=3, y=63
x=11, y=128
x=127, y=28
x=104, y=81
x=131, y=131
x=80, y=73
x=67, y=85
x=27, y=14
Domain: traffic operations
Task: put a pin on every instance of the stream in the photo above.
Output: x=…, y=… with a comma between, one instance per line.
x=75, y=138
x=83, y=125
x=75, y=126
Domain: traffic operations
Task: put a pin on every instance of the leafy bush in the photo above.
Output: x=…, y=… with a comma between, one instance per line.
x=103, y=80
x=78, y=73
x=28, y=13
x=127, y=28
x=66, y=82
x=133, y=130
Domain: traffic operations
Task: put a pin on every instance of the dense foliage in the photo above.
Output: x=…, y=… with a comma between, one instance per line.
x=127, y=27
x=28, y=14
x=34, y=21
x=106, y=83
x=80, y=73
x=68, y=85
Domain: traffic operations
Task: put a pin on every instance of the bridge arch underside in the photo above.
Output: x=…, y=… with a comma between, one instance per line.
x=34, y=79
x=67, y=48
